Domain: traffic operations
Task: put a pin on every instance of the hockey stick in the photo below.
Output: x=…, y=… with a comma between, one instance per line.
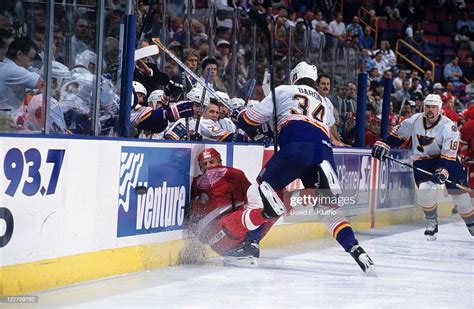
x=203, y=96
x=467, y=189
x=262, y=23
x=250, y=92
x=188, y=70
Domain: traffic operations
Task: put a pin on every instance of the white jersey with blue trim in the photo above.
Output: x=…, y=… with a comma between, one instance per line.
x=438, y=140
x=294, y=103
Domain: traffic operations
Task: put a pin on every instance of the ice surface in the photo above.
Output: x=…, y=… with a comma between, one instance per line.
x=411, y=272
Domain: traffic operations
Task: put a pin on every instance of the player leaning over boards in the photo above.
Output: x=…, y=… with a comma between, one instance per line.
x=305, y=148
x=435, y=140
x=225, y=206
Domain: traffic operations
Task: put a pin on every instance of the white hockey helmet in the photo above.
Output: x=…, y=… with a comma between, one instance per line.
x=59, y=71
x=85, y=58
x=433, y=100
x=195, y=95
x=224, y=96
x=303, y=70
x=139, y=88
x=156, y=97
x=236, y=103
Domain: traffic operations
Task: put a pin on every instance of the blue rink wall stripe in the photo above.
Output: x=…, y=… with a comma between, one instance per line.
x=230, y=155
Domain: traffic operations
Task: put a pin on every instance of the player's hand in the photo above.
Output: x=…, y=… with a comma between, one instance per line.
x=236, y=113
x=380, y=150
x=177, y=133
x=195, y=136
x=440, y=176
x=179, y=110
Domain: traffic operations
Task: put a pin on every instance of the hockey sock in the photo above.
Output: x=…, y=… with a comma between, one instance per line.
x=430, y=212
x=255, y=235
x=345, y=236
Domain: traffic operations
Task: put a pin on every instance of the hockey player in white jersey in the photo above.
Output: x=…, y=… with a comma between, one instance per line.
x=209, y=127
x=178, y=131
x=224, y=121
x=435, y=140
x=305, y=148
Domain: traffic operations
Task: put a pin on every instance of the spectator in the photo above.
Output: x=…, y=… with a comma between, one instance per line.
x=448, y=26
x=470, y=90
x=398, y=81
x=463, y=40
x=80, y=38
x=468, y=70
x=366, y=40
x=337, y=29
x=341, y=103
x=5, y=24
x=352, y=93
x=318, y=20
x=379, y=63
x=355, y=27
x=438, y=89
x=5, y=40
x=465, y=21
x=212, y=65
x=414, y=91
x=191, y=60
x=387, y=53
x=402, y=95
x=15, y=77
x=349, y=133
x=452, y=72
x=417, y=39
x=426, y=82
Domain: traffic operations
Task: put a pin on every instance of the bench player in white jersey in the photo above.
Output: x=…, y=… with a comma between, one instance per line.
x=305, y=148
x=435, y=140
x=209, y=127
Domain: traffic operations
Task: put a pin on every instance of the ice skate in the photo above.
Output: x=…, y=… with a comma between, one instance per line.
x=362, y=258
x=245, y=255
x=470, y=228
x=431, y=229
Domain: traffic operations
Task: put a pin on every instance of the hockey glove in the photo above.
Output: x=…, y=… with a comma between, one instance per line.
x=174, y=89
x=380, y=150
x=176, y=133
x=236, y=113
x=178, y=110
x=440, y=176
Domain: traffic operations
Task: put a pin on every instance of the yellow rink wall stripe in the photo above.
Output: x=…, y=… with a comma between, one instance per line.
x=26, y=278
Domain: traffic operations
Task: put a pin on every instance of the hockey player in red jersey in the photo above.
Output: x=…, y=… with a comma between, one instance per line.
x=225, y=206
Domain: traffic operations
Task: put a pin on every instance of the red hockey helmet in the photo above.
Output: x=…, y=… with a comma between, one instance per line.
x=208, y=153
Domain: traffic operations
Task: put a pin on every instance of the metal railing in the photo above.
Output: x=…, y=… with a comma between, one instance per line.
x=398, y=53
x=373, y=23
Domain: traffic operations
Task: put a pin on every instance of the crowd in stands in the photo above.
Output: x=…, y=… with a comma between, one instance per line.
x=319, y=32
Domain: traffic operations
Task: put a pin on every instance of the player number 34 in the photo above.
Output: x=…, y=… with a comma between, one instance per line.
x=303, y=103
